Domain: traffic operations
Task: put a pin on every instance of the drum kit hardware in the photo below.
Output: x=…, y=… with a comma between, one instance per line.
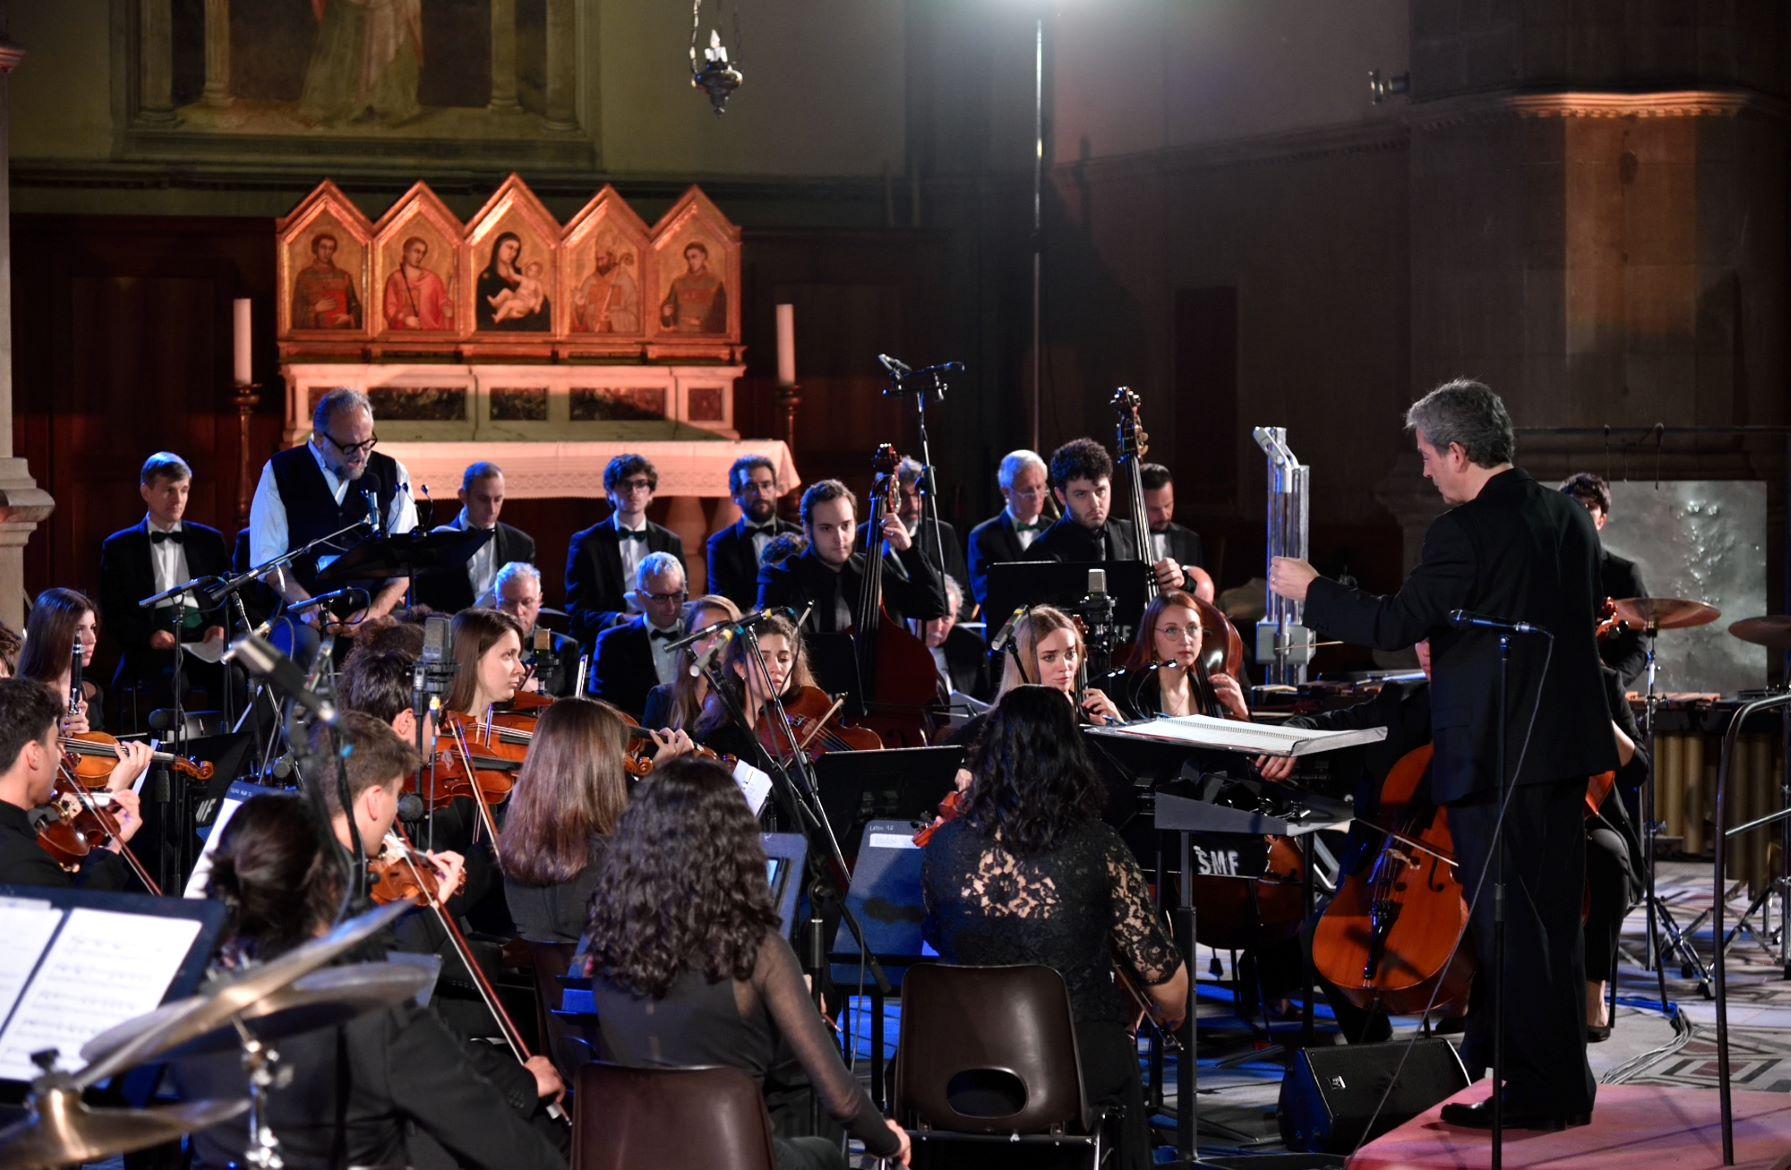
x=296, y=993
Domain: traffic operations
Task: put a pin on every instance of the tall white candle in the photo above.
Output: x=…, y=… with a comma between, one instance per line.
x=786, y=345
x=243, y=369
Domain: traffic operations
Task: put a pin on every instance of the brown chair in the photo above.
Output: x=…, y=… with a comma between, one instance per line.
x=659, y=1118
x=988, y=1055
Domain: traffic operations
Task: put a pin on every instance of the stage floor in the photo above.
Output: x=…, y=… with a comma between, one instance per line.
x=1634, y=1127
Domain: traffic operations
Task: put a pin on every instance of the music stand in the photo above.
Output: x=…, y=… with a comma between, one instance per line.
x=407, y=554
x=904, y=784
x=1013, y=584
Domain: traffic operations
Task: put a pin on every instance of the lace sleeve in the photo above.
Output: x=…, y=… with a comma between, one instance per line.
x=778, y=980
x=1137, y=928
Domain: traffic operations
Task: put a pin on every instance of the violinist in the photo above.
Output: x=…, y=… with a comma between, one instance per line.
x=60, y=621
x=29, y=755
x=358, y=1088
x=1082, y=480
x=828, y=574
x=1029, y=873
x=488, y=665
x=570, y=793
x=785, y=674
x=1169, y=643
x=678, y=703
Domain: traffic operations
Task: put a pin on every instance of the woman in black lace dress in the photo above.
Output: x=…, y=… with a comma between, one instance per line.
x=1030, y=874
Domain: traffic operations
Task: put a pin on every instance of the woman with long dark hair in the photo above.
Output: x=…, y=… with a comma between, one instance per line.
x=569, y=795
x=355, y=1087
x=62, y=620
x=678, y=703
x=751, y=687
x=689, y=964
x=488, y=666
x=1170, y=638
x=1029, y=873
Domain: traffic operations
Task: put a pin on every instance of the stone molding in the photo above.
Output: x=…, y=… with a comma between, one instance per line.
x=1684, y=103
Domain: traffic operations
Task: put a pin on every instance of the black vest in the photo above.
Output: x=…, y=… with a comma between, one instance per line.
x=312, y=512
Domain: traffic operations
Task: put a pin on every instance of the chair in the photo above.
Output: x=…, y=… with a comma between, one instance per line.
x=657, y=1118
x=988, y=1055
x=567, y=1042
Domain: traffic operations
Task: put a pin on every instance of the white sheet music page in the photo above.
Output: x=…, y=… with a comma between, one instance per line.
x=1237, y=736
x=26, y=925
x=103, y=968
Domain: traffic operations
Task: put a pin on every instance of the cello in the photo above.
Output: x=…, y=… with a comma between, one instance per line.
x=901, y=681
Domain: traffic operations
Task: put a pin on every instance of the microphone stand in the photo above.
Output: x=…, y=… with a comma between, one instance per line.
x=1498, y=860
x=924, y=384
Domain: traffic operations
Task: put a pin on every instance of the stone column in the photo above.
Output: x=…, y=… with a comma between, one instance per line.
x=217, y=52
x=503, y=57
x=155, y=61
x=23, y=505
x=562, y=65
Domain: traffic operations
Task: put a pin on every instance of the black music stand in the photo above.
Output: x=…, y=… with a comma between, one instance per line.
x=1014, y=584
x=904, y=784
x=407, y=554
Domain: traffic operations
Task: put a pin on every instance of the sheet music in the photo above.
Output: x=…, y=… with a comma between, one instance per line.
x=1237, y=736
x=755, y=785
x=102, y=969
x=26, y=926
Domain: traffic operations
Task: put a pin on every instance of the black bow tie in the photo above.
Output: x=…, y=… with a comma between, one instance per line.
x=761, y=530
x=178, y=536
x=626, y=534
x=1035, y=526
x=668, y=635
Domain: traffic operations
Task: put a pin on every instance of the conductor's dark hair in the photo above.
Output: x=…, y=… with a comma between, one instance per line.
x=1589, y=489
x=1468, y=413
x=1080, y=459
x=27, y=712
x=1034, y=779
x=682, y=885
x=1154, y=476
x=277, y=886
x=623, y=466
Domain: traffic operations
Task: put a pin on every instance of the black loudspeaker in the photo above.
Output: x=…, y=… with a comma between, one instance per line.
x=1329, y=1094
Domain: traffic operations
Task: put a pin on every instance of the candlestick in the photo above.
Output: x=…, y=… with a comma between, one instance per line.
x=786, y=345
x=242, y=368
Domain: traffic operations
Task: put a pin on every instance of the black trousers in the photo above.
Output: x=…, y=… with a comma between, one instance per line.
x=1544, y=984
x=1607, y=895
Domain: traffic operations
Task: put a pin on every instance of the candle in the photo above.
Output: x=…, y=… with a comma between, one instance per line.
x=786, y=345
x=242, y=368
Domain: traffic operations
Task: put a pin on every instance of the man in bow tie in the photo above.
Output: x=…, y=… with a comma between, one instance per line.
x=157, y=553
x=941, y=549
x=604, y=558
x=638, y=655
x=736, y=551
x=1009, y=536
x=481, y=502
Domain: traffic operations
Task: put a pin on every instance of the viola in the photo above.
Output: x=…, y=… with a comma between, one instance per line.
x=94, y=755
x=1391, y=938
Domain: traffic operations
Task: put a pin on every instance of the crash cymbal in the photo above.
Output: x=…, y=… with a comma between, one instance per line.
x=224, y=998
x=1772, y=631
x=1666, y=613
x=322, y=999
x=61, y=1131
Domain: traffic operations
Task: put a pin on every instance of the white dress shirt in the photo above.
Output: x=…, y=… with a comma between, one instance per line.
x=665, y=659
x=633, y=551
x=1026, y=535
x=168, y=558
x=269, y=532
x=482, y=568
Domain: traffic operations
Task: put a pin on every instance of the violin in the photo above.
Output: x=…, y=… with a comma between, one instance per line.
x=1391, y=936
x=401, y=874
x=810, y=711
x=93, y=755
x=88, y=826
x=950, y=809
x=901, y=679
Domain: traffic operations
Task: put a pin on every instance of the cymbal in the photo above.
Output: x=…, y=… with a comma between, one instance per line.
x=1772, y=631
x=322, y=999
x=224, y=998
x=1666, y=613
x=61, y=1131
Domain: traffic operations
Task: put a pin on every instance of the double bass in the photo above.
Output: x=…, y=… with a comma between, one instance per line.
x=900, y=679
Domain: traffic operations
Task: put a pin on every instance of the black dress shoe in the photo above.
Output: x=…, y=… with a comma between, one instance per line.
x=1597, y=1033
x=1479, y=1116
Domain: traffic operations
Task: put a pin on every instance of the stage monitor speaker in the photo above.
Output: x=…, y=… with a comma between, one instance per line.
x=1329, y=1094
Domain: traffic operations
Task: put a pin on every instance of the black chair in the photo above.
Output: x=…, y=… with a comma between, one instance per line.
x=658, y=1118
x=567, y=1039
x=988, y=1057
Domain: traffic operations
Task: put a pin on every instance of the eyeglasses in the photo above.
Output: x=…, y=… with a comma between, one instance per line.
x=637, y=484
x=352, y=449
x=681, y=596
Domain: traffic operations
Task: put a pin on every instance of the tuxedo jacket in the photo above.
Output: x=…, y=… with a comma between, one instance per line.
x=804, y=581
x=1069, y=542
x=995, y=542
x=596, y=594
x=1624, y=653
x=967, y=659
x=734, y=565
x=1519, y=552
x=1182, y=545
x=623, y=671
x=923, y=538
x=127, y=575
x=452, y=590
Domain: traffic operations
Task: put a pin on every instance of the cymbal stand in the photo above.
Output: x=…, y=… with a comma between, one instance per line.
x=266, y=1073
x=1660, y=919
x=1767, y=935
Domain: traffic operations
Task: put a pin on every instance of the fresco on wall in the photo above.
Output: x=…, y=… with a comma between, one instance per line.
x=602, y=254
x=323, y=266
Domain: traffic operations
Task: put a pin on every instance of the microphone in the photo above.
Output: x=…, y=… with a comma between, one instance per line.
x=1154, y=666
x=260, y=659
x=795, y=617
x=310, y=603
x=410, y=807
x=370, y=485
x=707, y=658
x=896, y=366
x=1465, y=619
x=433, y=673
x=1000, y=640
